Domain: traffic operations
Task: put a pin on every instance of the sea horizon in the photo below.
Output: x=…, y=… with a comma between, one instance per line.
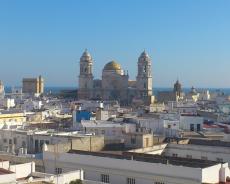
x=57, y=89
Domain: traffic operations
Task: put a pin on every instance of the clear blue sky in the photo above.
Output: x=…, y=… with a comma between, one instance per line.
x=187, y=39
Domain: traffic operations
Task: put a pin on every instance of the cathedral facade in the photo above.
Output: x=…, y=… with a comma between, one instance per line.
x=115, y=83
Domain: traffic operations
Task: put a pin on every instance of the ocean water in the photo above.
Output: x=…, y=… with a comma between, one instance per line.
x=187, y=90
x=55, y=90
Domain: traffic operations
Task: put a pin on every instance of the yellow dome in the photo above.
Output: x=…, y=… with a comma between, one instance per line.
x=112, y=66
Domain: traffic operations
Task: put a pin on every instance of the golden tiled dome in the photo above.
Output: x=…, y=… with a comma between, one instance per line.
x=112, y=66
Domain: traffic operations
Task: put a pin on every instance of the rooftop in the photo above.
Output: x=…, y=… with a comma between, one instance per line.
x=4, y=171
x=177, y=161
x=204, y=142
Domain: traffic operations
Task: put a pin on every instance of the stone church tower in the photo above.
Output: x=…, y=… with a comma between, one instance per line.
x=86, y=76
x=144, y=77
x=178, y=88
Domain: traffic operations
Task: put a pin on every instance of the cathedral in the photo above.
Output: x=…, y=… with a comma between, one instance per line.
x=115, y=83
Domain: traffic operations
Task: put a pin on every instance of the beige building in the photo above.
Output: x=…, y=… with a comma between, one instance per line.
x=139, y=140
x=12, y=119
x=33, y=85
x=115, y=83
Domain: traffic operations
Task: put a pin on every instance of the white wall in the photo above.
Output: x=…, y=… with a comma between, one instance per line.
x=5, y=164
x=119, y=169
x=23, y=170
x=7, y=178
x=156, y=125
x=68, y=177
x=198, y=151
x=209, y=175
x=154, y=150
x=186, y=121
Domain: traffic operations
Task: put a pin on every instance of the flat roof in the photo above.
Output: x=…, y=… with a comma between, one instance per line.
x=209, y=142
x=177, y=161
x=4, y=171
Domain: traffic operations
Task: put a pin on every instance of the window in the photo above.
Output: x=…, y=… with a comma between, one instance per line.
x=131, y=181
x=147, y=142
x=15, y=140
x=175, y=155
x=58, y=170
x=219, y=159
x=41, y=143
x=133, y=140
x=144, y=94
x=198, y=127
x=189, y=156
x=191, y=127
x=23, y=144
x=5, y=140
x=105, y=178
x=159, y=182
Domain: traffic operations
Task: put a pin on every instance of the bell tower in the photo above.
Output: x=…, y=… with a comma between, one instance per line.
x=85, y=90
x=144, y=76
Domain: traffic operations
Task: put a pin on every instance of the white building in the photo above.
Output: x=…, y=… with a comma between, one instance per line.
x=7, y=103
x=138, y=169
x=107, y=128
x=25, y=173
x=167, y=127
x=29, y=105
x=102, y=115
x=204, y=95
x=212, y=150
x=11, y=173
x=201, y=149
x=31, y=141
x=11, y=119
x=181, y=108
x=191, y=123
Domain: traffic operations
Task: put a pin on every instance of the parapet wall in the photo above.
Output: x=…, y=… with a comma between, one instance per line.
x=91, y=143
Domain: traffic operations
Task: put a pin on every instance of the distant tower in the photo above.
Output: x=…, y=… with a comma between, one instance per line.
x=40, y=84
x=144, y=76
x=85, y=89
x=178, y=88
x=2, y=91
x=33, y=85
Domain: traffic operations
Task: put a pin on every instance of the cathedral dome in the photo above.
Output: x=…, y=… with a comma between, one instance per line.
x=112, y=66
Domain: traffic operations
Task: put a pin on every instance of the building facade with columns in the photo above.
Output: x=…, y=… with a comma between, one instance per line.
x=115, y=83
